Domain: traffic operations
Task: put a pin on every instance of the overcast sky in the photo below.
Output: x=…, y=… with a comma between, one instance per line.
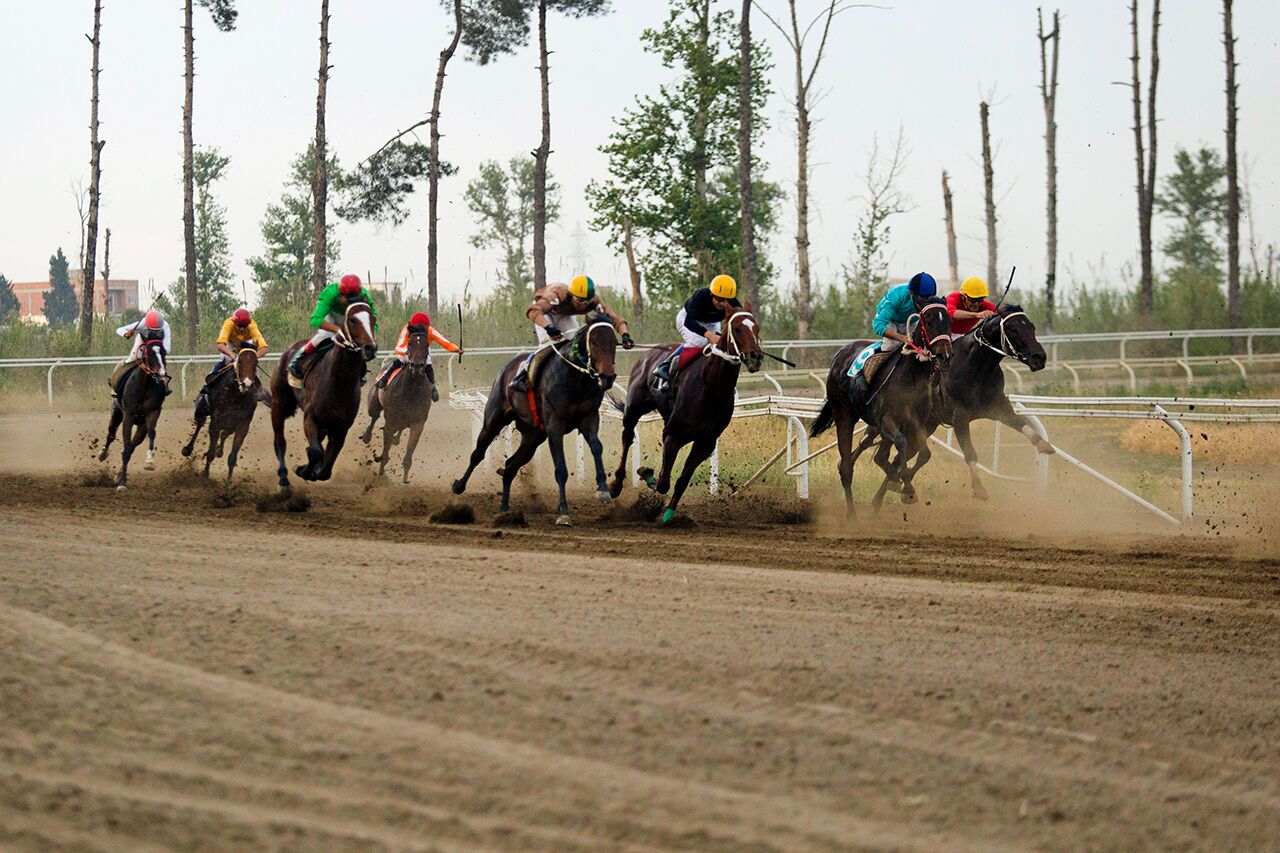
x=922, y=65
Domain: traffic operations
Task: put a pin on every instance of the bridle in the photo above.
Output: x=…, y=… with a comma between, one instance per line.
x=586, y=365
x=153, y=347
x=924, y=353
x=1006, y=347
x=734, y=357
x=240, y=382
x=413, y=338
x=347, y=342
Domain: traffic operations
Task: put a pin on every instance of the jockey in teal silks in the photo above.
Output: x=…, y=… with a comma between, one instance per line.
x=890, y=323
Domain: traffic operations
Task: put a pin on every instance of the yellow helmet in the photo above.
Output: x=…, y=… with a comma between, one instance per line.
x=582, y=287
x=974, y=288
x=724, y=287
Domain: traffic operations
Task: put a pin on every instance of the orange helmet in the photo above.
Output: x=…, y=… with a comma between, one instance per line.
x=153, y=320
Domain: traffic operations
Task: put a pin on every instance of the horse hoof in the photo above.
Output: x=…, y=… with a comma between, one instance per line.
x=102, y=457
x=604, y=496
x=668, y=515
x=122, y=488
x=980, y=493
x=909, y=497
x=458, y=487
x=186, y=451
x=148, y=465
x=563, y=521
x=1046, y=448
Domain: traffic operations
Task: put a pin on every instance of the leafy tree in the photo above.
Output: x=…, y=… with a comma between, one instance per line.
x=1194, y=196
x=673, y=159
x=8, y=302
x=378, y=189
x=284, y=269
x=502, y=202
x=60, y=305
x=214, y=292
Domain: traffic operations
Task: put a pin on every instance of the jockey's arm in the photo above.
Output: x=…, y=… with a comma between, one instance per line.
x=894, y=335
x=227, y=351
x=538, y=312
x=433, y=335
x=332, y=328
x=961, y=314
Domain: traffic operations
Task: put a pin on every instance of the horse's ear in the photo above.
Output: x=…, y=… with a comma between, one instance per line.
x=748, y=307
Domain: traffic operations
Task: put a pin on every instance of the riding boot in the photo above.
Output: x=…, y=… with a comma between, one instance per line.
x=295, y=364
x=385, y=376
x=431, y=377
x=860, y=391
x=521, y=381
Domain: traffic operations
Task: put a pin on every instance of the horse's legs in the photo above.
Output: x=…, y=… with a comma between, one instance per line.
x=212, y=452
x=375, y=409
x=698, y=453
x=131, y=435
x=844, y=443
x=630, y=418
x=150, y=464
x=670, y=448
x=415, y=433
x=315, y=449
x=891, y=470
x=236, y=440
x=197, y=421
x=970, y=456
x=555, y=443
x=387, y=440
x=591, y=433
x=488, y=432
x=117, y=415
x=529, y=441
x=281, y=444
x=920, y=447
x=332, y=448
x=1006, y=415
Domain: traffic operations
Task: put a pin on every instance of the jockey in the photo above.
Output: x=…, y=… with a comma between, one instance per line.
x=969, y=306
x=417, y=324
x=556, y=309
x=699, y=322
x=238, y=330
x=152, y=327
x=330, y=313
x=895, y=308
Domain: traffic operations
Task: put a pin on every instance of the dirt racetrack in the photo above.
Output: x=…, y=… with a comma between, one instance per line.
x=184, y=666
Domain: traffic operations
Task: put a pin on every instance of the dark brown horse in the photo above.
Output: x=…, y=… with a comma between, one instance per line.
x=897, y=407
x=330, y=395
x=565, y=396
x=695, y=409
x=405, y=403
x=229, y=404
x=136, y=408
x=973, y=388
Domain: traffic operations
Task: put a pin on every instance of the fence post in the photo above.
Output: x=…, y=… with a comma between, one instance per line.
x=802, y=452
x=49, y=382
x=995, y=451
x=637, y=458
x=714, y=485
x=1184, y=439
x=185, y=365
x=582, y=462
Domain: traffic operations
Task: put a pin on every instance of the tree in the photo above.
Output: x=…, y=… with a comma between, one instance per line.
x=8, y=302
x=223, y=13
x=867, y=275
x=1233, y=182
x=320, y=180
x=1194, y=197
x=1049, y=97
x=502, y=202
x=495, y=27
x=213, y=247
x=673, y=159
x=88, y=261
x=750, y=273
x=953, y=260
x=60, y=305
x=988, y=188
x=1145, y=160
x=285, y=268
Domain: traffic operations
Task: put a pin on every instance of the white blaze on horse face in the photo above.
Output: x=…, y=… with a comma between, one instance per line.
x=363, y=317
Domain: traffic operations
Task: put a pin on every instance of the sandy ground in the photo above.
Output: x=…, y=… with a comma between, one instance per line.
x=185, y=666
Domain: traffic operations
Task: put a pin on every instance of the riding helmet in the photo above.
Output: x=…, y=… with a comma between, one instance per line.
x=974, y=288
x=922, y=284
x=153, y=320
x=582, y=287
x=420, y=320
x=350, y=285
x=241, y=317
x=724, y=287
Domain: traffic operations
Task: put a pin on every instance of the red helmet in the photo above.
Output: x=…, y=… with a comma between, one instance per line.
x=350, y=285
x=241, y=317
x=420, y=319
x=152, y=320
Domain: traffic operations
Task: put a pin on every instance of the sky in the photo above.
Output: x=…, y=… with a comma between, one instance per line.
x=921, y=66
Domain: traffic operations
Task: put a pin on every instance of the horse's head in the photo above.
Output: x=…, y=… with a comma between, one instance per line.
x=151, y=357
x=418, y=349
x=357, y=328
x=247, y=367
x=596, y=345
x=1012, y=333
x=931, y=335
x=743, y=332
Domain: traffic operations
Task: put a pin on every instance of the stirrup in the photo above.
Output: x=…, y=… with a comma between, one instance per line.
x=295, y=382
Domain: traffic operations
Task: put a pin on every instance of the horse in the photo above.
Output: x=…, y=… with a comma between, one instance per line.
x=973, y=388
x=695, y=409
x=564, y=396
x=897, y=407
x=229, y=404
x=330, y=395
x=406, y=402
x=140, y=397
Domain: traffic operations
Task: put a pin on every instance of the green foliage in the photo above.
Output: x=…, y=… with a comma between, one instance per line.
x=285, y=267
x=502, y=202
x=1195, y=196
x=379, y=188
x=223, y=13
x=61, y=308
x=215, y=292
x=8, y=302
x=492, y=28
x=673, y=158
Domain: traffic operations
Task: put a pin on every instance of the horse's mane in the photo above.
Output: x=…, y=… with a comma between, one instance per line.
x=936, y=300
x=1005, y=310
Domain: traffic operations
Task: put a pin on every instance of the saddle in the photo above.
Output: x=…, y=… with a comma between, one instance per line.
x=309, y=360
x=869, y=361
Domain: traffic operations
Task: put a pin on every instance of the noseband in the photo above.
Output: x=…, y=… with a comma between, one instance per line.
x=582, y=362
x=735, y=357
x=347, y=342
x=925, y=353
x=239, y=383
x=1006, y=347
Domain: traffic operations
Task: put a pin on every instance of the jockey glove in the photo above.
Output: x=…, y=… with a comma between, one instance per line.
x=627, y=342
x=552, y=331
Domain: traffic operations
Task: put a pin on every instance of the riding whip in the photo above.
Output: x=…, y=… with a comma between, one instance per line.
x=787, y=362
x=1007, y=286
x=460, y=333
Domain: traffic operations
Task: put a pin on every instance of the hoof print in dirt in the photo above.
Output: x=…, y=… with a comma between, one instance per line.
x=453, y=514
x=647, y=507
x=510, y=519
x=289, y=501
x=100, y=480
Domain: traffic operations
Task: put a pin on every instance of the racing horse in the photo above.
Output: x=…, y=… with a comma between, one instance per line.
x=136, y=408
x=229, y=405
x=695, y=409
x=898, y=403
x=405, y=404
x=973, y=388
x=330, y=396
x=565, y=396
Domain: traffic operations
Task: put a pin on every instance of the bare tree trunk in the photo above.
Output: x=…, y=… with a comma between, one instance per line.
x=804, y=129
x=106, y=265
x=637, y=296
x=95, y=178
x=953, y=260
x=433, y=167
x=988, y=183
x=1139, y=158
x=540, y=157
x=188, y=183
x=1149, y=265
x=1049, y=95
x=700, y=123
x=320, y=181
x=750, y=274
x=1233, y=186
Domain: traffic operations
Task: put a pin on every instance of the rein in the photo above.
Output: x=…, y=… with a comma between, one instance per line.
x=924, y=353
x=734, y=357
x=347, y=342
x=1006, y=347
x=582, y=367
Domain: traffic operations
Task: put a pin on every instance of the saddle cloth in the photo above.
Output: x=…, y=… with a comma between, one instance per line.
x=869, y=361
x=309, y=360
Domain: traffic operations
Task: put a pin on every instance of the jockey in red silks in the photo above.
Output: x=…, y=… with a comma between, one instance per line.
x=969, y=306
x=417, y=324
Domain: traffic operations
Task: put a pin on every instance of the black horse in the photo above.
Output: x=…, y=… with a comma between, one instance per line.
x=564, y=396
x=973, y=388
x=331, y=396
x=697, y=407
x=139, y=399
x=404, y=403
x=229, y=404
x=897, y=407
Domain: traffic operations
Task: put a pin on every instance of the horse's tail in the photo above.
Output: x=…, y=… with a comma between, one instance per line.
x=615, y=400
x=826, y=417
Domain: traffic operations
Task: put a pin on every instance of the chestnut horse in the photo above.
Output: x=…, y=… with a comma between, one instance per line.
x=140, y=397
x=405, y=404
x=695, y=409
x=330, y=395
x=233, y=397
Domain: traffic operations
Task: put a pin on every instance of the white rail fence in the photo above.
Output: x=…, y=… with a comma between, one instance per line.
x=1174, y=412
x=1122, y=361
